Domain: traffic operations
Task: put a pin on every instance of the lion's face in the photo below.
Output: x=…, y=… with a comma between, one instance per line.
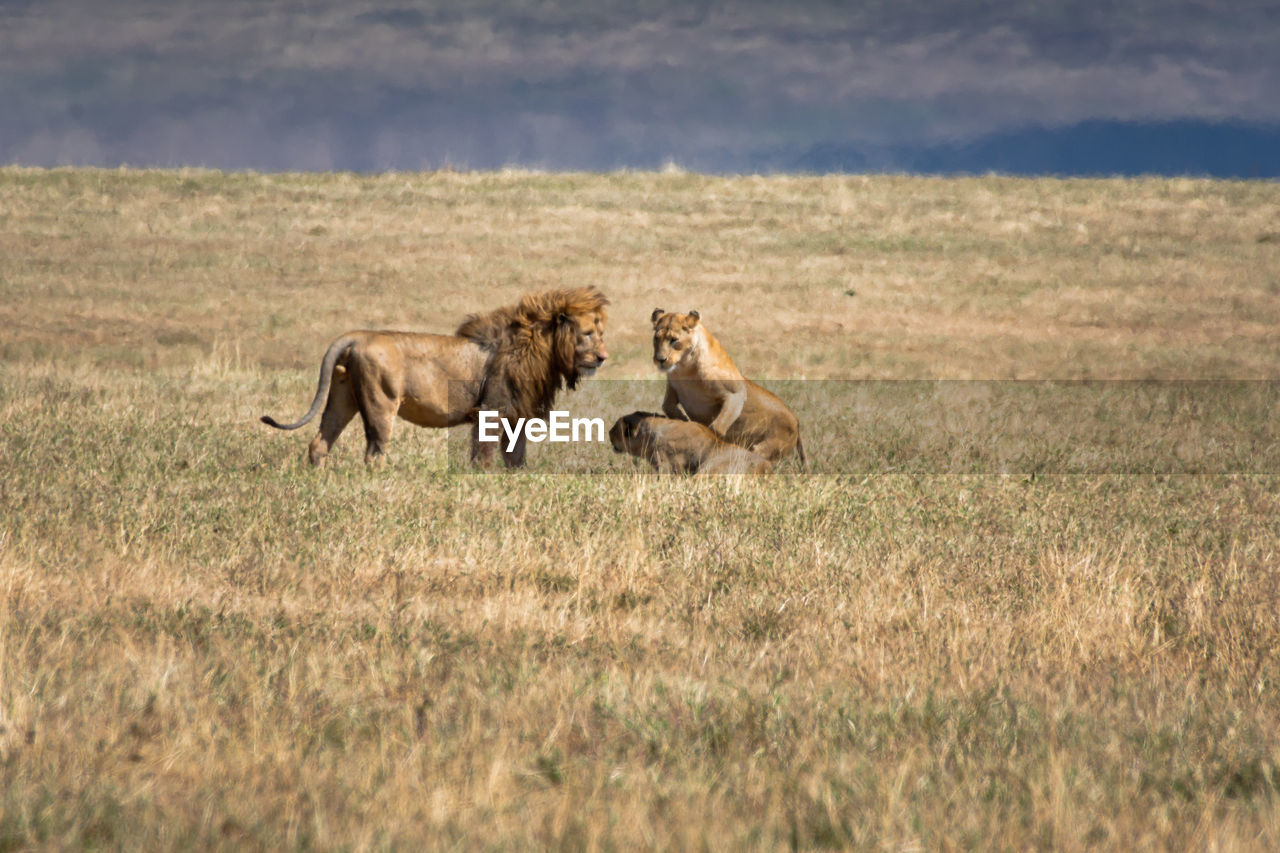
x=673, y=336
x=589, y=351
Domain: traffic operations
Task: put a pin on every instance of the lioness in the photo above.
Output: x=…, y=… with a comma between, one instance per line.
x=513, y=360
x=682, y=446
x=703, y=380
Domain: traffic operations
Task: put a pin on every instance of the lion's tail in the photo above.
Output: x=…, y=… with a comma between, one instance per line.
x=336, y=350
x=804, y=463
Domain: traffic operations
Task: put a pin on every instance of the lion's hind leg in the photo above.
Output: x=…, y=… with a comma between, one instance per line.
x=378, y=411
x=338, y=411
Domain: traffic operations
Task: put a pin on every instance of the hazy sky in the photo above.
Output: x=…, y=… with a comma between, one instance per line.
x=598, y=84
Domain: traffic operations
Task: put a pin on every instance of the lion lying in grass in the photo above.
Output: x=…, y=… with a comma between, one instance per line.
x=513, y=360
x=680, y=446
x=705, y=383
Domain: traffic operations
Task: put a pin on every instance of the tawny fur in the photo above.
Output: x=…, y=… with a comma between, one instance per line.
x=513, y=360
x=680, y=446
x=705, y=386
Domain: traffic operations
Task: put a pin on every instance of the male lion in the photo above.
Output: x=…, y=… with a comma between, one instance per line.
x=703, y=380
x=682, y=446
x=513, y=360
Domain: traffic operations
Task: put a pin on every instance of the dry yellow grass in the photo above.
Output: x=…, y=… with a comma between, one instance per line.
x=205, y=643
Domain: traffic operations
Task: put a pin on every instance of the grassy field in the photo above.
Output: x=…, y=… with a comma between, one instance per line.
x=205, y=643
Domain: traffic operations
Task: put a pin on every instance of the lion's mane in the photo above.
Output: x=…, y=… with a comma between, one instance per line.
x=533, y=348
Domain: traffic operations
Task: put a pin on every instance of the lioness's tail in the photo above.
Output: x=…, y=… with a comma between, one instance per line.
x=804, y=463
x=336, y=350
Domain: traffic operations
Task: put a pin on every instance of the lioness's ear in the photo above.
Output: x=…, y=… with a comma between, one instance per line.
x=657, y=312
x=694, y=314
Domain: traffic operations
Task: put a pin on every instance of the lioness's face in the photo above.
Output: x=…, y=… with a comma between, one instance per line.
x=625, y=433
x=589, y=350
x=619, y=436
x=672, y=338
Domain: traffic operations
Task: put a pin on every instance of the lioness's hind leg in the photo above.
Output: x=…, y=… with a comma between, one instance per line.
x=338, y=412
x=772, y=449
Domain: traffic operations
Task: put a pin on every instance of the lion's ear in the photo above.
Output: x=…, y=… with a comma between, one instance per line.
x=562, y=317
x=694, y=314
x=657, y=312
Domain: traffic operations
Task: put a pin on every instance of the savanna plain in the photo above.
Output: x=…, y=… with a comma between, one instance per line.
x=206, y=643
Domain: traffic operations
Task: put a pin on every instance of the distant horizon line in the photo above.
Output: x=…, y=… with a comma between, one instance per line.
x=1094, y=148
x=678, y=171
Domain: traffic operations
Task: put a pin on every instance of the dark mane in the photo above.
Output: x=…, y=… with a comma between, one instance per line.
x=533, y=348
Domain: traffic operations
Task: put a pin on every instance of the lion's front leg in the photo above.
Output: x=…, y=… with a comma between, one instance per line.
x=671, y=404
x=481, y=451
x=514, y=458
